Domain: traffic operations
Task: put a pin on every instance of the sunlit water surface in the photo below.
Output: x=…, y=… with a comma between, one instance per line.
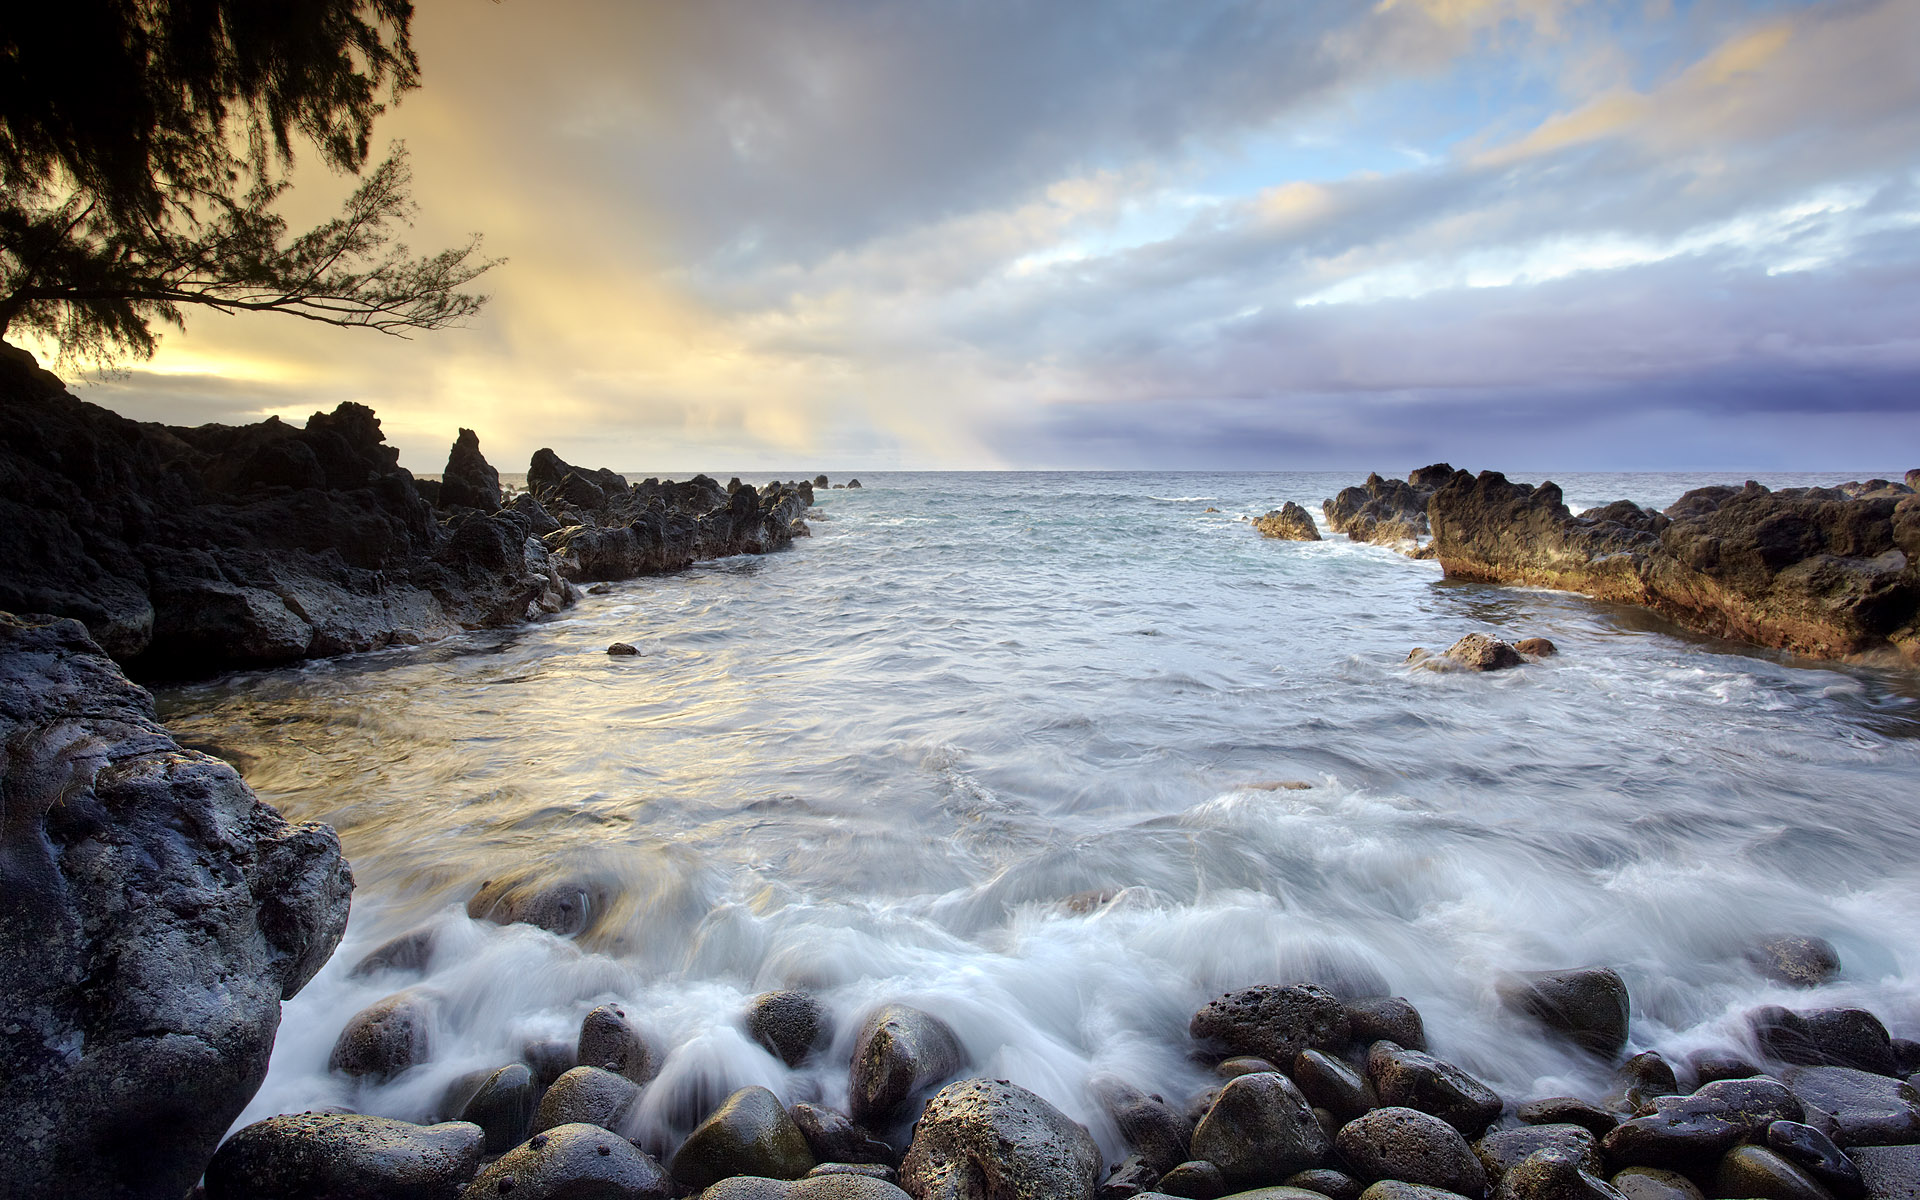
x=875, y=767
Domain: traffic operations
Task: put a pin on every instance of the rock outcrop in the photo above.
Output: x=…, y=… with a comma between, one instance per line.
x=1816, y=571
x=1386, y=510
x=1289, y=523
x=153, y=915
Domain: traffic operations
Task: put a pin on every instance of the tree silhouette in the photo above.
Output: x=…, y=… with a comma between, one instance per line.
x=143, y=144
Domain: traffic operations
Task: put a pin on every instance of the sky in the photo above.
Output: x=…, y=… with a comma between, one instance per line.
x=1292, y=234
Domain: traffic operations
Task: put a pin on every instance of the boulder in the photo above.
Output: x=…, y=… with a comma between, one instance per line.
x=1404, y=1144
x=1830, y=1037
x=1274, y=1023
x=835, y=1139
x=789, y=1024
x=1711, y=1066
x=1815, y=1153
x=1260, y=1130
x=549, y=1059
x=1386, y=510
x=503, y=1107
x=1386, y=1019
x=1397, y=1189
x=1755, y=1171
x=1132, y=1176
x=327, y=1156
x=1333, y=1085
x=385, y=1038
x=1586, y=1005
x=1864, y=1109
x=749, y=1134
x=573, y=1162
x=609, y=1041
x=1553, y=1175
x=586, y=1095
x=817, y=1187
x=982, y=1139
x=620, y=649
x=1536, y=647
x=1335, y=1185
x=408, y=952
x=1500, y=1150
x=469, y=481
x=1798, y=959
x=1159, y=1134
x=1651, y=1183
x=1196, y=1179
x=1690, y=1133
x=153, y=915
x=1289, y=523
x=900, y=1055
x=1409, y=1079
x=1889, y=1172
x=1568, y=1110
x=568, y=907
x=1639, y=1081
x=1476, y=652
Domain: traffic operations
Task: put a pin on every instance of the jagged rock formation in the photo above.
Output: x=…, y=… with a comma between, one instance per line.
x=153, y=915
x=1289, y=523
x=1825, y=572
x=469, y=480
x=1386, y=510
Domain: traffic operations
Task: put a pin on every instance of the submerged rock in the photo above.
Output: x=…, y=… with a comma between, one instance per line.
x=1274, y=1023
x=567, y=908
x=1798, y=959
x=789, y=1024
x=609, y=1041
x=1289, y=523
x=316, y=1157
x=153, y=915
x=385, y=1038
x=982, y=1139
x=1588, y=1005
x=503, y=1107
x=900, y=1055
x=1832, y=1037
x=1475, y=652
x=835, y=1139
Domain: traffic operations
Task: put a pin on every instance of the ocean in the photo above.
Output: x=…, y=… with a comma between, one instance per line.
x=1004, y=747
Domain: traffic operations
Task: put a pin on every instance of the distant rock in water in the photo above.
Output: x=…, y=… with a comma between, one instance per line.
x=1811, y=570
x=1474, y=652
x=469, y=480
x=1289, y=523
x=852, y=484
x=153, y=915
x=1386, y=510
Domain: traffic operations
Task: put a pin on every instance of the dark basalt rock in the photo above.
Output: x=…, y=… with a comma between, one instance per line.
x=1587, y=1005
x=1501, y=1150
x=1814, y=1152
x=316, y=1157
x=749, y=1134
x=1889, y=1172
x=1335, y=1185
x=1553, y=1175
x=1404, y=1144
x=1798, y=959
x=789, y=1024
x=1711, y=1066
x=153, y=915
x=1274, y=1023
x=817, y=1187
x=1865, y=1109
x=573, y=1162
x=900, y=1055
x=1194, y=1180
x=609, y=1041
x=385, y=1038
x=1289, y=523
x=1397, y=1189
x=469, y=481
x=408, y=952
x=1811, y=570
x=1386, y=510
x=567, y=908
x=1652, y=1183
x=983, y=1139
x=1756, y=1171
x=1386, y=1019
x=1639, y=1081
x=1333, y=1085
x=1409, y=1079
x=1568, y=1110
x=1160, y=1135
x=1690, y=1133
x=586, y=1095
x=1259, y=1131
x=1831, y=1037
x=549, y=1060
x=503, y=1107
x=1242, y=1064
x=835, y=1139
x=1133, y=1176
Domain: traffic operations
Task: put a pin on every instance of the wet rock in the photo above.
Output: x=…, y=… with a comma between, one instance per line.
x=609, y=1041
x=1196, y=1179
x=1386, y=1019
x=586, y=1095
x=1274, y=1023
x=549, y=1060
x=1201, y=1101
x=622, y=649
x=1755, y=1171
x=1690, y=1133
x=870, y=1170
x=1568, y=1110
x=835, y=1139
x=1866, y=1109
x=853, y=484
x=566, y=908
x=1889, y=1172
x=385, y=1038
x=1652, y=1183
x=1242, y=1064
x=1385, y=510
x=408, y=952
x=1399, y=1189
x=313, y=1157
x=1259, y=1131
x=1331, y=1084
x=1906, y=1056
x=1815, y=1153
x=982, y=1139
x=1409, y=1079
x=820, y=481
x=1553, y=1175
x=749, y=1134
x=1711, y=1066
x=573, y=1162
x=1798, y=959
x=1536, y=647
x=1133, y=1176
x=503, y=1108
x=1401, y=1143
x=1500, y=1150
x=1335, y=1185
x=1587, y=1005
x=1478, y=652
x=153, y=915
x=1289, y=523
x=1639, y=1081
x=899, y=1056
x=1831, y=1037
x=1149, y=1125
x=789, y=1024
x=469, y=481
x=817, y=1187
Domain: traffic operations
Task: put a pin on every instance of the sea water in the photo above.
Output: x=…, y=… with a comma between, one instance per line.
x=1004, y=747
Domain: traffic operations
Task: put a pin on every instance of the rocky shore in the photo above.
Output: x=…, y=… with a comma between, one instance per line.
x=187, y=551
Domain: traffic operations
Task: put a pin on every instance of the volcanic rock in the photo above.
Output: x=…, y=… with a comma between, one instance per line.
x=749, y=1134
x=1409, y=1079
x=1274, y=1023
x=1289, y=523
x=586, y=1095
x=1587, y=1005
x=900, y=1055
x=320, y=1157
x=1386, y=510
x=1865, y=1109
x=570, y=1162
x=1835, y=1037
x=983, y=1139
x=1260, y=1130
x=609, y=1041
x=469, y=481
x=789, y=1024
x=1405, y=1144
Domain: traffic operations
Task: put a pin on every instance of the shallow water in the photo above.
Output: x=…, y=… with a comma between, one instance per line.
x=875, y=766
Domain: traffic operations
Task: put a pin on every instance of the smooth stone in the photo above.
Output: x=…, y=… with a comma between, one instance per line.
x=1386, y=1019
x=1568, y=1110
x=1335, y=1185
x=385, y=1038
x=899, y=1055
x=320, y=1157
x=408, y=952
x=749, y=1134
x=1242, y=1064
x=987, y=1139
x=835, y=1139
x=609, y=1041
x=503, y=1108
x=1690, y=1133
x=1331, y=1084
x=1274, y=1023
x=789, y=1024
x=1149, y=1126
x=1816, y=1154
x=1553, y=1175
x=1195, y=1180
x=1399, y=1189
x=586, y=1095
x=453, y=1099
x=1640, y=1080
x=1502, y=1149
x=1411, y=1079
x=1889, y=1172
x=1259, y=1131
x=1797, y=959
x=1825, y=1037
x=1712, y=1066
x=1757, y=1173
x=550, y=1059
x=1867, y=1109
x=814, y=1187
x=1587, y=1005
x=573, y=1162
x=1652, y=1183
x=1412, y=1146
